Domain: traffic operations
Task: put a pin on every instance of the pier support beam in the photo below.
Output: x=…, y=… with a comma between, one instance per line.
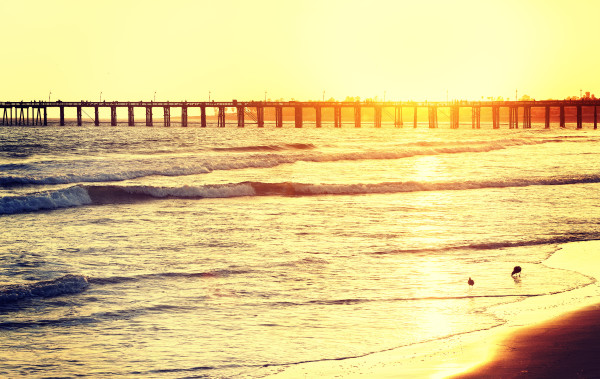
x=96, y=117
x=221, y=117
x=130, y=115
x=260, y=116
x=476, y=117
x=62, y=116
x=433, y=122
x=113, y=116
x=38, y=117
x=337, y=116
x=513, y=117
x=148, y=116
x=454, y=116
x=4, y=116
x=167, y=116
x=278, y=117
x=415, y=116
x=579, y=117
x=562, y=116
x=547, y=117
x=495, y=117
x=79, y=121
x=398, y=123
x=184, y=116
x=45, y=116
x=240, y=116
x=203, y=117
x=298, y=116
x=377, y=117
x=595, y=117
x=527, y=117
x=318, y=116
x=357, y=116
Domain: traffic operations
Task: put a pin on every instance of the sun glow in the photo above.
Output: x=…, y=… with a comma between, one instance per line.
x=400, y=50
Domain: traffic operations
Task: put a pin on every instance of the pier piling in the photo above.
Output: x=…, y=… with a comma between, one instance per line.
x=184, y=116
x=260, y=117
x=240, y=116
x=79, y=121
x=415, y=117
x=130, y=115
x=148, y=116
x=432, y=113
x=513, y=117
x=221, y=117
x=337, y=116
x=377, y=116
x=278, y=117
x=167, y=116
x=298, y=116
x=454, y=116
x=113, y=115
x=357, y=116
x=398, y=117
x=203, y=117
x=318, y=116
x=476, y=117
x=526, y=117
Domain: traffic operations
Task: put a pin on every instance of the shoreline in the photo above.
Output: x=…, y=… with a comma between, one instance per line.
x=564, y=347
x=463, y=354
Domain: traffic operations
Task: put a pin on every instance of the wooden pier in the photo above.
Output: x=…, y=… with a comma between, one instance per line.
x=36, y=112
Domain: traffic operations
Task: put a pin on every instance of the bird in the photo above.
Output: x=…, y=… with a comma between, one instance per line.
x=471, y=281
x=516, y=270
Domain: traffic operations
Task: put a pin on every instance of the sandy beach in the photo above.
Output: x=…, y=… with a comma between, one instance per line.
x=547, y=336
x=565, y=347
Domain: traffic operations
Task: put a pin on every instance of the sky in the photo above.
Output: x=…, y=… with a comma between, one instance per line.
x=302, y=50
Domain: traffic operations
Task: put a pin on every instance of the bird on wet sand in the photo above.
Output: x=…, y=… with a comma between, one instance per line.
x=516, y=271
x=471, y=281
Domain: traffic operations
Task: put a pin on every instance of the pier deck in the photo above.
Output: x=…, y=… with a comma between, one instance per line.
x=18, y=113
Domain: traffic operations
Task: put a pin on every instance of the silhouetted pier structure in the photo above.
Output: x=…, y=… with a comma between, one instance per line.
x=18, y=113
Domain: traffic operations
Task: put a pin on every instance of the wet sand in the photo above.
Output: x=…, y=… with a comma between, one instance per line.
x=565, y=347
x=555, y=336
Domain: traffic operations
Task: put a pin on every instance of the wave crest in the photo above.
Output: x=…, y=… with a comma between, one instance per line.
x=113, y=194
x=68, y=284
x=62, y=198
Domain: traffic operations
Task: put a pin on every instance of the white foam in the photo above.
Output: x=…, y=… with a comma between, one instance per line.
x=209, y=191
x=63, y=198
x=86, y=171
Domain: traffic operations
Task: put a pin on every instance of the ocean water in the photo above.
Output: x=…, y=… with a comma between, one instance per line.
x=237, y=252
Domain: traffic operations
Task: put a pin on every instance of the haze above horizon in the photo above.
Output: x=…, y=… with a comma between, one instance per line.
x=397, y=50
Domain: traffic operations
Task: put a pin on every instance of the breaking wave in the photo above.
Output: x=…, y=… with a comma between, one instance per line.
x=113, y=194
x=68, y=284
x=270, y=157
x=47, y=200
x=287, y=146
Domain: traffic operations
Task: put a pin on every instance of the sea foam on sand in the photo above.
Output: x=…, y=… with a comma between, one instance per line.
x=450, y=356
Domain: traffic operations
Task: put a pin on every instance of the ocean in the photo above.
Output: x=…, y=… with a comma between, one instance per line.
x=238, y=252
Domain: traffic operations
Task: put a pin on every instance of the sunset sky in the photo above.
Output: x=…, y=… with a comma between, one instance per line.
x=182, y=49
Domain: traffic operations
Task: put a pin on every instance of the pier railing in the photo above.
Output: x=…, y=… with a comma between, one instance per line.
x=18, y=113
